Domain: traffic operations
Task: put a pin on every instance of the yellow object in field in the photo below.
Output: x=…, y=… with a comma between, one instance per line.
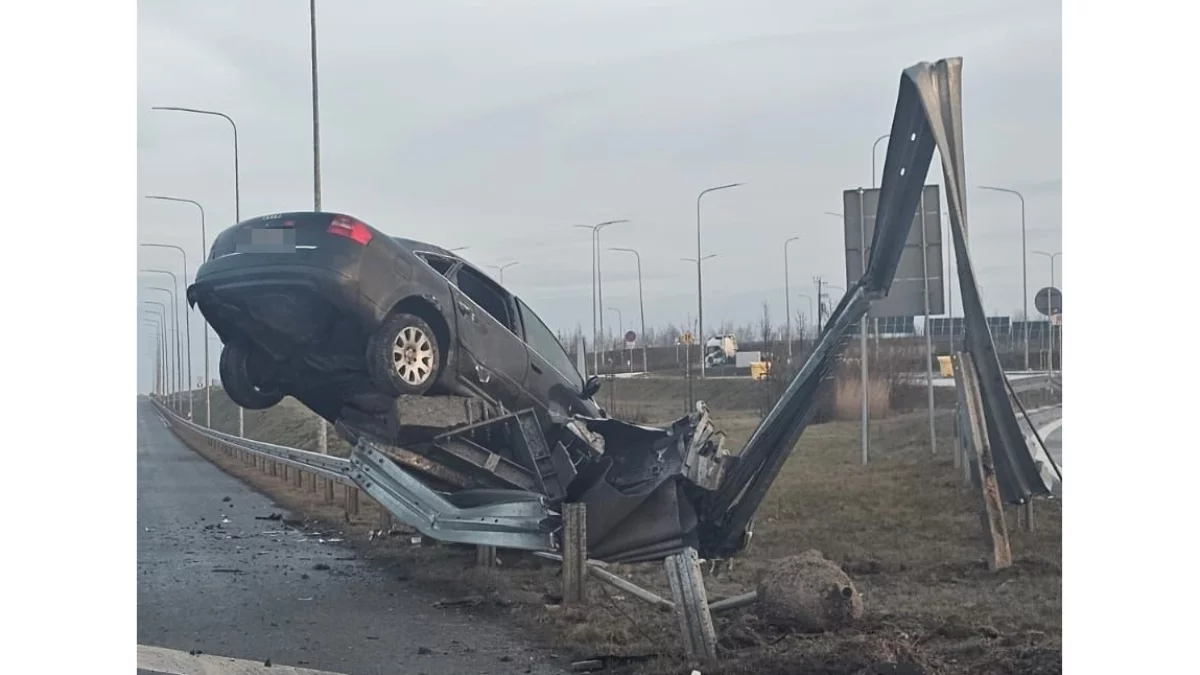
x=759, y=370
x=946, y=366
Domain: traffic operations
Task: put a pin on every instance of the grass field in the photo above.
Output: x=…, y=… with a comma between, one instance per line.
x=905, y=528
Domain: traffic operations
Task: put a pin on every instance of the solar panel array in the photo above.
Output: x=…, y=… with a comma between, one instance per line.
x=897, y=325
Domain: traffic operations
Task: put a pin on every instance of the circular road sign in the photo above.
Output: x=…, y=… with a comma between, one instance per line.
x=687, y=338
x=630, y=336
x=1047, y=298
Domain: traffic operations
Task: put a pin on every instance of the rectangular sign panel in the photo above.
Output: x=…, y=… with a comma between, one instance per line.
x=921, y=260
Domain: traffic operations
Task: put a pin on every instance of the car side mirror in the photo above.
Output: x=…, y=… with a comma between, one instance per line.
x=590, y=387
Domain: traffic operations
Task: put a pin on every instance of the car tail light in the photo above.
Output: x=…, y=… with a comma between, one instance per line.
x=351, y=229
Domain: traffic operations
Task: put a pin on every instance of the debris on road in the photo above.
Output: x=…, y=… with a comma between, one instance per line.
x=810, y=593
x=226, y=498
x=273, y=516
x=320, y=567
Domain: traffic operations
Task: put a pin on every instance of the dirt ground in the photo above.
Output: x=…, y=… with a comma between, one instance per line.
x=905, y=528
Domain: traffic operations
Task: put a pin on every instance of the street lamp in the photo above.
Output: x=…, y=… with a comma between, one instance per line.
x=873, y=152
x=161, y=370
x=203, y=252
x=699, y=259
x=641, y=303
x=237, y=216
x=810, y=303
x=237, y=190
x=175, y=319
x=787, y=298
x=503, y=267
x=620, y=327
x=1024, y=273
x=1051, y=308
x=597, y=286
x=162, y=316
x=187, y=324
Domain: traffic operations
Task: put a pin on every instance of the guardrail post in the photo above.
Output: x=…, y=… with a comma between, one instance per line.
x=691, y=604
x=995, y=531
x=328, y=490
x=1026, y=510
x=312, y=482
x=351, y=501
x=274, y=468
x=300, y=478
x=575, y=554
x=485, y=556
x=385, y=518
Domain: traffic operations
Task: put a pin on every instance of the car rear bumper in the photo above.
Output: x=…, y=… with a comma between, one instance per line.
x=271, y=303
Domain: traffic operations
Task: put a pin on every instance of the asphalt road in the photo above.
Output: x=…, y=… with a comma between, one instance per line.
x=1053, y=441
x=211, y=577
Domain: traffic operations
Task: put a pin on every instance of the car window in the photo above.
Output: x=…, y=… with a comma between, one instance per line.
x=541, y=340
x=486, y=294
x=440, y=263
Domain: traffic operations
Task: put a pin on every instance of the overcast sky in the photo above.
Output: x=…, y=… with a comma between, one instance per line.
x=498, y=125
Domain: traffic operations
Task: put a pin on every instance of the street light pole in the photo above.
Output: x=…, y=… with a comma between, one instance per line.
x=810, y=303
x=787, y=295
x=316, y=112
x=175, y=298
x=203, y=252
x=162, y=315
x=1051, y=257
x=1024, y=272
x=641, y=303
x=159, y=368
x=237, y=216
x=595, y=351
x=597, y=288
x=699, y=259
x=178, y=345
x=237, y=181
x=620, y=324
x=187, y=323
x=503, y=267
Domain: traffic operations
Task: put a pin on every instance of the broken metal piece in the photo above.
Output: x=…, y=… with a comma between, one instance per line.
x=502, y=518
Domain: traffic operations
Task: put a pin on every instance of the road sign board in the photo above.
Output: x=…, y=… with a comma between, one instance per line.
x=687, y=338
x=630, y=336
x=921, y=258
x=1048, y=298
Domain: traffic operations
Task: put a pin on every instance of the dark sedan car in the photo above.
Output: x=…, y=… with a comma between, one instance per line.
x=329, y=310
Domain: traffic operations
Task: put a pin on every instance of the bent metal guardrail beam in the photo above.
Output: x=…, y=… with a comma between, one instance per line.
x=504, y=518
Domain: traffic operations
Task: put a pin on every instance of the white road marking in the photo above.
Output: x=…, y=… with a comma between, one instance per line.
x=174, y=662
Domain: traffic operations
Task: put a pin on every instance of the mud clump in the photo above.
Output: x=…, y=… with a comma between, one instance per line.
x=809, y=593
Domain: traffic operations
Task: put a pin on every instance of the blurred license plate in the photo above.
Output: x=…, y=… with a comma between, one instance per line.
x=273, y=240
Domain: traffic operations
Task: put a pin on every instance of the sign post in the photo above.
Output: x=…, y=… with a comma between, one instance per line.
x=918, y=287
x=630, y=341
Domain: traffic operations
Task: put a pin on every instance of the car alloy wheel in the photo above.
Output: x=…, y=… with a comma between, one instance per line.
x=413, y=355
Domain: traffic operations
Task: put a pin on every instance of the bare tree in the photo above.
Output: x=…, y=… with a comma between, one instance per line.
x=766, y=329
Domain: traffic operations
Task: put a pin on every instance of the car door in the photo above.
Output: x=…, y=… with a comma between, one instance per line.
x=552, y=377
x=492, y=358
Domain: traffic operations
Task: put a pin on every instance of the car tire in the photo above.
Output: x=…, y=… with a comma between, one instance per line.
x=403, y=356
x=236, y=370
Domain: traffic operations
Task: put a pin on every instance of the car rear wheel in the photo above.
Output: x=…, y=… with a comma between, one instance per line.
x=403, y=356
x=245, y=383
